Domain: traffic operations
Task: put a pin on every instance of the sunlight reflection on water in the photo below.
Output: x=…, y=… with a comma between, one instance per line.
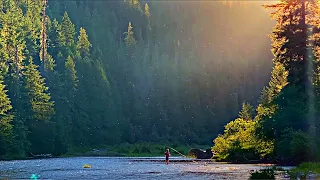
x=122, y=168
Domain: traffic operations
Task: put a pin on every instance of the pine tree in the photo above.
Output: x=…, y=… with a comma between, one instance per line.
x=50, y=63
x=291, y=38
x=40, y=100
x=53, y=34
x=268, y=106
x=147, y=11
x=71, y=70
x=66, y=32
x=13, y=37
x=32, y=26
x=135, y=4
x=279, y=79
x=291, y=47
x=6, y=128
x=247, y=112
x=291, y=88
x=147, y=14
x=5, y=104
x=83, y=44
x=12, y=42
x=129, y=39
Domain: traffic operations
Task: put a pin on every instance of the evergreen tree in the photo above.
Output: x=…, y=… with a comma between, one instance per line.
x=50, y=63
x=71, y=71
x=13, y=38
x=6, y=128
x=5, y=104
x=12, y=42
x=268, y=106
x=277, y=82
x=291, y=89
x=122, y=98
x=66, y=32
x=148, y=15
x=129, y=39
x=40, y=100
x=291, y=45
x=83, y=44
x=135, y=4
x=53, y=33
x=147, y=11
x=32, y=26
x=247, y=112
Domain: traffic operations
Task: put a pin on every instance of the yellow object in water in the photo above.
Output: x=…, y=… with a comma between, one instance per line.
x=86, y=166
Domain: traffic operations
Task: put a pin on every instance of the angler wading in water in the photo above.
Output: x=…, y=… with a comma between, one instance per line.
x=167, y=154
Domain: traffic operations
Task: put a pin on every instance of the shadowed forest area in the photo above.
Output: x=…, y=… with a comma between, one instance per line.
x=79, y=74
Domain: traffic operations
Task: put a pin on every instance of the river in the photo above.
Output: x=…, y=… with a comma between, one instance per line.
x=122, y=168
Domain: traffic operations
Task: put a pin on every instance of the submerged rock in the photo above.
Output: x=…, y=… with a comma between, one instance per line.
x=86, y=166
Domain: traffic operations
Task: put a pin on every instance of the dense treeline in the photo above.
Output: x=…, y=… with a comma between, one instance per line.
x=285, y=124
x=173, y=84
x=89, y=73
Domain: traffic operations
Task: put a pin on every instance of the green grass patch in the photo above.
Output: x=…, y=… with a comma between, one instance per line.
x=132, y=150
x=304, y=169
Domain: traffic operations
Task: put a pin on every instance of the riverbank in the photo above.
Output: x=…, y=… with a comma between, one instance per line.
x=132, y=150
x=121, y=150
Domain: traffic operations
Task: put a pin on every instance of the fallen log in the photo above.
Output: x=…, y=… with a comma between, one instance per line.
x=40, y=156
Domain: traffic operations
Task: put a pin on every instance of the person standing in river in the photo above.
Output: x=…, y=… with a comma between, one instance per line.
x=167, y=154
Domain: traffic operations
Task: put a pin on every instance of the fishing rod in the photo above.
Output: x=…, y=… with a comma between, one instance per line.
x=177, y=152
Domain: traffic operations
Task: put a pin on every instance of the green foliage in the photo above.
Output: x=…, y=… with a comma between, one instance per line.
x=12, y=41
x=66, y=32
x=5, y=104
x=83, y=44
x=147, y=11
x=50, y=63
x=247, y=112
x=41, y=104
x=129, y=39
x=32, y=26
x=295, y=146
x=284, y=106
x=268, y=106
x=263, y=174
x=135, y=4
x=239, y=143
x=142, y=92
x=147, y=14
x=71, y=71
x=6, y=128
x=147, y=85
x=53, y=34
x=303, y=169
x=103, y=73
x=262, y=130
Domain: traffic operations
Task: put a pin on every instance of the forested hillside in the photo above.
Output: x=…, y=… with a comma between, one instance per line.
x=87, y=73
x=284, y=126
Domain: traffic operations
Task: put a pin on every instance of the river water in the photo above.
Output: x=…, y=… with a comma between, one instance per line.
x=122, y=168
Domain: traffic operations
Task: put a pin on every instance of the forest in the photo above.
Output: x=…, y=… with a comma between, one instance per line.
x=92, y=73
x=283, y=126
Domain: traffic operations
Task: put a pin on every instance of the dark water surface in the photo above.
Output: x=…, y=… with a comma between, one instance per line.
x=122, y=168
